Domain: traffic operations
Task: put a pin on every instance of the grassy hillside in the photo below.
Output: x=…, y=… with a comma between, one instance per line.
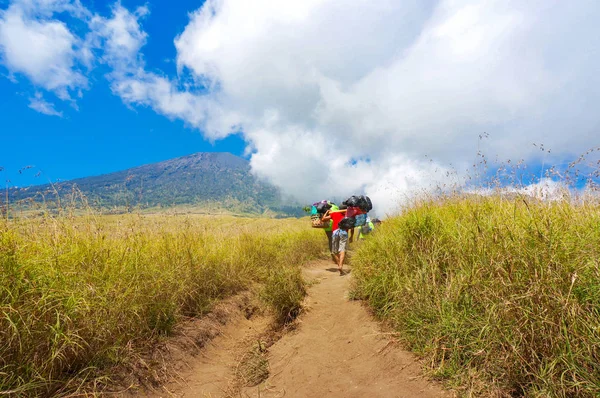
x=203, y=180
x=502, y=297
x=76, y=294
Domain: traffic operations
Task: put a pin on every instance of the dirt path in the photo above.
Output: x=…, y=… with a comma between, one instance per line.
x=337, y=350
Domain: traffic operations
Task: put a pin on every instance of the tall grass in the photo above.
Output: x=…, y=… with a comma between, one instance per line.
x=501, y=296
x=76, y=293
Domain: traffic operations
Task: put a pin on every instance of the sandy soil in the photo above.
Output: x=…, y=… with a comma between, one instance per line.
x=337, y=350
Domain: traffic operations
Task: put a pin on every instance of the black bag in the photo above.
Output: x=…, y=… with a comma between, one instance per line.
x=352, y=201
x=346, y=223
x=323, y=207
x=364, y=203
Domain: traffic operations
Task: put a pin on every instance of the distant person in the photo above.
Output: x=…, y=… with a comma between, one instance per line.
x=369, y=227
x=366, y=229
x=339, y=237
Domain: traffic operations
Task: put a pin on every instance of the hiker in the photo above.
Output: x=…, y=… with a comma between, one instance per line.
x=366, y=229
x=339, y=237
x=350, y=212
x=358, y=207
x=329, y=229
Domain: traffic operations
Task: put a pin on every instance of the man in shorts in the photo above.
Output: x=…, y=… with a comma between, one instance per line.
x=339, y=239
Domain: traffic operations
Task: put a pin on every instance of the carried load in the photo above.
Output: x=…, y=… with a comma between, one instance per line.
x=358, y=207
x=346, y=223
x=360, y=220
x=363, y=202
x=320, y=207
x=367, y=228
x=317, y=212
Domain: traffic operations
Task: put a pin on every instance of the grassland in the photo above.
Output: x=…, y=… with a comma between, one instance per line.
x=80, y=294
x=501, y=296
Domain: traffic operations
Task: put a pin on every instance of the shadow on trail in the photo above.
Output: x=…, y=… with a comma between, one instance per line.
x=346, y=271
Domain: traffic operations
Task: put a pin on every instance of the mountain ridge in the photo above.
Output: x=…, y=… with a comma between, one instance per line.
x=218, y=178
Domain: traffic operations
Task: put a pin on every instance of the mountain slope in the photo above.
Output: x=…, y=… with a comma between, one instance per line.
x=198, y=179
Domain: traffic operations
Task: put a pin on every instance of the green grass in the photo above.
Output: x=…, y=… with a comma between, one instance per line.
x=77, y=293
x=502, y=297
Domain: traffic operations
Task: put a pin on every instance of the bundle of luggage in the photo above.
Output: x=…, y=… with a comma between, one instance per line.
x=357, y=208
x=317, y=212
x=362, y=202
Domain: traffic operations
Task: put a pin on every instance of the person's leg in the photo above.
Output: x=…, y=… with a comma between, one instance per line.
x=329, y=234
x=336, y=258
x=330, y=240
x=351, y=235
x=343, y=241
x=335, y=242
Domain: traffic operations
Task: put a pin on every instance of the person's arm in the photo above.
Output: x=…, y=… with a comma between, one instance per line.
x=327, y=216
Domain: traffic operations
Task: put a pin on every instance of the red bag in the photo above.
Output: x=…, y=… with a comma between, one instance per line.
x=354, y=211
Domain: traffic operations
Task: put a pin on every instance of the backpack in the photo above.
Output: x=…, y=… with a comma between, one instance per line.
x=366, y=229
x=346, y=223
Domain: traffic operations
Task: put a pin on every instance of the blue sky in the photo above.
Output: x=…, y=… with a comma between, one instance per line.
x=103, y=135
x=392, y=93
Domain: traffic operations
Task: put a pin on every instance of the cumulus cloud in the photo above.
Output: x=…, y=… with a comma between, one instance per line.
x=335, y=98
x=41, y=48
x=39, y=104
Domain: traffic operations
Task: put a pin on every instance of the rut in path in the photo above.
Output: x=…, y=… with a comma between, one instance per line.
x=337, y=350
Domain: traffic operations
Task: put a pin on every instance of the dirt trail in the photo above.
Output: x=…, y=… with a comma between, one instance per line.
x=337, y=350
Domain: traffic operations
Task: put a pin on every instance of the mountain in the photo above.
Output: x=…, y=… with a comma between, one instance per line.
x=214, y=179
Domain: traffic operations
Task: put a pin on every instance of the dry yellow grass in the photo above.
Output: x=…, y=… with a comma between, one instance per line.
x=76, y=293
x=501, y=295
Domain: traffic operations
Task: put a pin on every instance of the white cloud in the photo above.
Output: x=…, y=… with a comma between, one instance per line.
x=121, y=38
x=41, y=48
x=316, y=84
x=545, y=189
x=39, y=104
x=47, y=8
